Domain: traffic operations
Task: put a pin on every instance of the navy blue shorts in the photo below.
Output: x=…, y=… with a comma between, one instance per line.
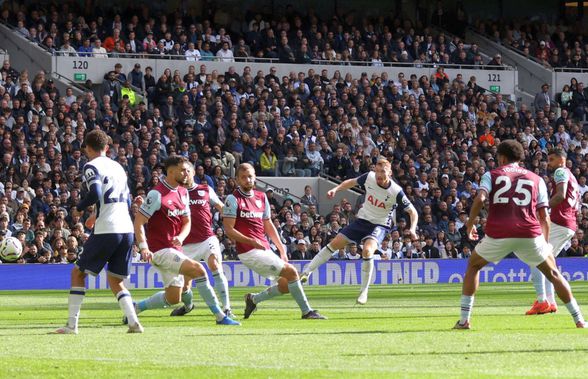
x=116, y=249
x=360, y=230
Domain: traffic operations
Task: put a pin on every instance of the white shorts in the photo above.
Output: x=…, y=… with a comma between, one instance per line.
x=202, y=250
x=532, y=251
x=168, y=262
x=559, y=237
x=263, y=262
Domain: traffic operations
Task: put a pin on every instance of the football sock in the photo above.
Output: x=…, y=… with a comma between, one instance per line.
x=155, y=301
x=126, y=305
x=538, y=283
x=76, y=296
x=187, y=297
x=221, y=285
x=267, y=294
x=549, y=292
x=322, y=256
x=207, y=294
x=575, y=311
x=298, y=294
x=467, y=303
x=367, y=270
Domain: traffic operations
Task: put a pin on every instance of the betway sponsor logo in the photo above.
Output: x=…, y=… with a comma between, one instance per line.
x=245, y=214
x=175, y=212
x=198, y=202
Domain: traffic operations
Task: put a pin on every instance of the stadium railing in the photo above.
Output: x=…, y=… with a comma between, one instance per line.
x=23, y=52
x=294, y=187
x=531, y=74
x=79, y=69
x=83, y=68
x=563, y=76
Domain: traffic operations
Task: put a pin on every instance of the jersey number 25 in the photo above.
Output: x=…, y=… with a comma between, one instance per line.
x=522, y=190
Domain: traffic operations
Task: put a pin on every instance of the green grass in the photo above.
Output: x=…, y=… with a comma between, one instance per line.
x=403, y=331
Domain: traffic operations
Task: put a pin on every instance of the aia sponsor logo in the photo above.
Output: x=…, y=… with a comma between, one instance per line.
x=375, y=202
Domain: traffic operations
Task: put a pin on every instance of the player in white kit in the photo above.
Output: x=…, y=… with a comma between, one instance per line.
x=111, y=240
x=374, y=220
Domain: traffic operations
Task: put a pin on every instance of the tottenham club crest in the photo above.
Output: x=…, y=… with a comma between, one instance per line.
x=258, y=203
x=201, y=193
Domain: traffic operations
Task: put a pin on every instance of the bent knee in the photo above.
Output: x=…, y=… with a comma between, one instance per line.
x=173, y=299
x=193, y=269
x=289, y=272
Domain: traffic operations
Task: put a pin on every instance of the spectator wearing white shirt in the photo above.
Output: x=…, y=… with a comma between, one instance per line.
x=98, y=51
x=316, y=160
x=192, y=54
x=396, y=252
x=563, y=137
x=225, y=54
x=582, y=186
x=67, y=50
x=353, y=252
x=385, y=250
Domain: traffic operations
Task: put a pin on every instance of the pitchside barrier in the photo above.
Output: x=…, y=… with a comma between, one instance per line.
x=416, y=271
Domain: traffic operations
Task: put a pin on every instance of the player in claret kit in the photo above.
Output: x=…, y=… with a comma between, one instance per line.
x=167, y=215
x=373, y=223
x=202, y=244
x=564, y=205
x=111, y=240
x=246, y=217
x=515, y=196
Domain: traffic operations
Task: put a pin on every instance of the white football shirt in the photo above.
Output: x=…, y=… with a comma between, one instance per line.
x=112, y=208
x=380, y=203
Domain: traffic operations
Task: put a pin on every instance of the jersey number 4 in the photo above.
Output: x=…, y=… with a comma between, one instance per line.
x=522, y=190
x=111, y=195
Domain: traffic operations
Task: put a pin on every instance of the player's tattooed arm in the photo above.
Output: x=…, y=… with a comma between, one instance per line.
x=544, y=221
x=237, y=236
x=140, y=238
x=474, y=212
x=414, y=220
x=272, y=233
x=559, y=195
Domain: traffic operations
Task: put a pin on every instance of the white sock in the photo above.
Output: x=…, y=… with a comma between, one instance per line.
x=467, y=304
x=549, y=292
x=221, y=285
x=539, y=283
x=322, y=256
x=76, y=296
x=367, y=270
x=575, y=311
x=209, y=297
x=126, y=305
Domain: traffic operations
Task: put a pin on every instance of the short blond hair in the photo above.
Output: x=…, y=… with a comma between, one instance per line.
x=383, y=162
x=245, y=166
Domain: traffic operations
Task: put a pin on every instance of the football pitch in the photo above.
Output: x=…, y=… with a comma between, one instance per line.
x=403, y=331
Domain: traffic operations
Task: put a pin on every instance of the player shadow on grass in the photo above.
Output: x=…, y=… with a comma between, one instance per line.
x=464, y=353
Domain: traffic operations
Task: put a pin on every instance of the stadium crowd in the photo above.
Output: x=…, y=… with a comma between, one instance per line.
x=252, y=35
x=440, y=134
x=556, y=45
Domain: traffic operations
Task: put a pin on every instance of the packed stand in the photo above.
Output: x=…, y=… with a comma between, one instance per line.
x=559, y=45
x=439, y=132
x=249, y=36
